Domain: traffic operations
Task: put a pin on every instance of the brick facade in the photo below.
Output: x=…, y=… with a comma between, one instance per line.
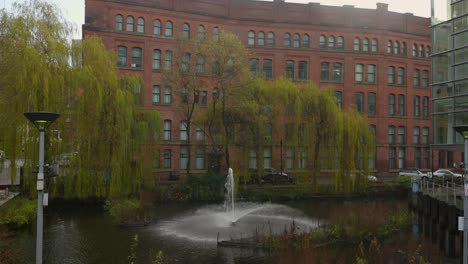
x=280, y=18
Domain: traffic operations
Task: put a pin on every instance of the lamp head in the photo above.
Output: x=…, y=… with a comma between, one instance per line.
x=41, y=120
x=463, y=130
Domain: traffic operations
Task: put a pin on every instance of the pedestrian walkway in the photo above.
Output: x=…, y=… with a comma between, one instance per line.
x=5, y=198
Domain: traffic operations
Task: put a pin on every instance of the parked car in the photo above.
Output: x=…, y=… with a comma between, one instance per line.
x=414, y=173
x=447, y=175
x=372, y=178
x=273, y=176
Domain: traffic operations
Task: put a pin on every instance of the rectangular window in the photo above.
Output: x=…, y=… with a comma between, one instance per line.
x=136, y=57
x=426, y=106
x=391, y=75
x=359, y=73
x=416, y=135
x=183, y=131
x=254, y=68
x=391, y=104
x=122, y=56
x=324, y=71
x=360, y=102
x=391, y=135
x=168, y=60
x=290, y=70
x=416, y=78
x=200, y=64
x=267, y=69
x=157, y=60
x=425, y=139
x=339, y=99
x=184, y=157
x=167, y=158
x=302, y=159
x=401, y=158
x=185, y=64
x=391, y=158
x=426, y=158
x=417, y=106
x=371, y=101
x=156, y=94
x=401, y=76
x=425, y=79
x=303, y=70
x=371, y=72
x=337, y=72
x=401, y=135
x=167, y=130
x=167, y=95
x=401, y=105
x=200, y=158
x=199, y=135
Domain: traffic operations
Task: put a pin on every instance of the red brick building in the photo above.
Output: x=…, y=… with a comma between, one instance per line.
x=376, y=60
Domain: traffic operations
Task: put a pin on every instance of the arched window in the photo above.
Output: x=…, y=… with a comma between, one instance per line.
x=357, y=44
x=365, y=45
x=251, y=38
x=261, y=39
x=404, y=50
x=118, y=23
x=168, y=31
x=396, y=48
x=306, y=41
x=157, y=27
x=254, y=68
x=391, y=75
x=271, y=39
x=201, y=32
x=322, y=42
x=290, y=70
x=141, y=25
x=215, y=35
x=186, y=31
x=340, y=45
x=428, y=51
x=130, y=23
x=287, y=40
x=303, y=71
x=422, y=52
x=389, y=47
x=331, y=42
x=297, y=41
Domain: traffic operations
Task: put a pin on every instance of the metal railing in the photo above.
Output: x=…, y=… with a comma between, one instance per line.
x=450, y=192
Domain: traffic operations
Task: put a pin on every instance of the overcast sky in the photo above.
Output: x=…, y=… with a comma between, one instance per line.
x=73, y=10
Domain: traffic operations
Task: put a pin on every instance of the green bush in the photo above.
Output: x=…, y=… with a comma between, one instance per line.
x=128, y=212
x=18, y=212
x=404, y=181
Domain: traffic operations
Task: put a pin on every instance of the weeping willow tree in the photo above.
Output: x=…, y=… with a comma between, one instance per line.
x=34, y=68
x=102, y=123
x=311, y=126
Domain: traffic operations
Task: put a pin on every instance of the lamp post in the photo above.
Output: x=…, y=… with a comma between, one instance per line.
x=41, y=120
x=463, y=130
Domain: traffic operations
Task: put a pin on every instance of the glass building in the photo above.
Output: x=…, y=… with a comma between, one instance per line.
x=449, y=19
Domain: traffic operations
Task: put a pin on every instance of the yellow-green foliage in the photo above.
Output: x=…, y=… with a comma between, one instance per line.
x=307, y=120
x=101, y=115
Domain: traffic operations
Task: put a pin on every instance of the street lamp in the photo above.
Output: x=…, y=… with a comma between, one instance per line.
x=41, y=120
x=463, y=130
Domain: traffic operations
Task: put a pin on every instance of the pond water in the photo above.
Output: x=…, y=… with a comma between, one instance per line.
x=187, y=233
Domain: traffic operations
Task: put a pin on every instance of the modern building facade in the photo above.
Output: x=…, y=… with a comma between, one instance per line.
x=450, y=77
x=377, y=61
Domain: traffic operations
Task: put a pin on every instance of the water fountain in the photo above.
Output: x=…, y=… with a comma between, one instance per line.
x=223, y=222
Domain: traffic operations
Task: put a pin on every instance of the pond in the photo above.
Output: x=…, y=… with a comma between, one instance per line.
x=186, y=233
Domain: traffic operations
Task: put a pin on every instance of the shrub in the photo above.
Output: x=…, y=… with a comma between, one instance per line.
x=405, y=181
x=128, y=212
x=18, y=212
